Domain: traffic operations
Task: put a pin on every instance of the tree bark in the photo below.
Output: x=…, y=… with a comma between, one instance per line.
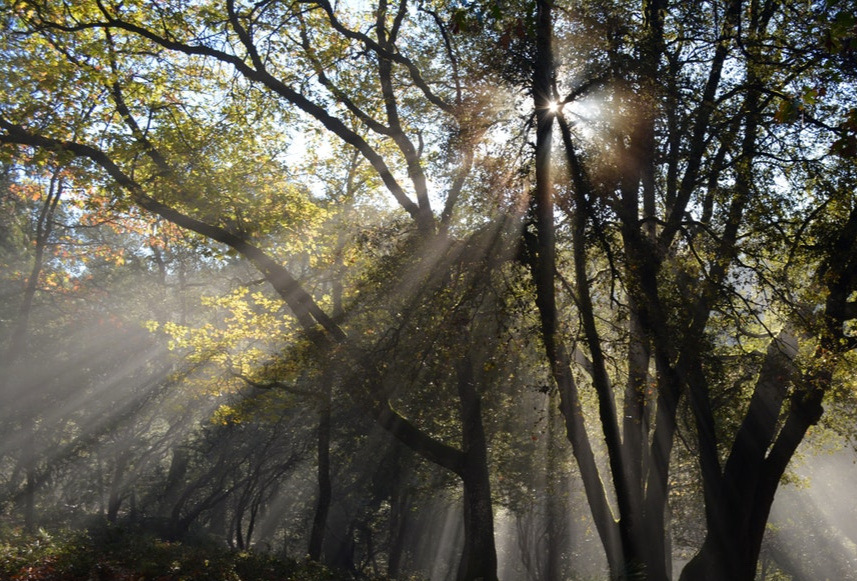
x=543, y=268
x=325, y=492
x=479, y=556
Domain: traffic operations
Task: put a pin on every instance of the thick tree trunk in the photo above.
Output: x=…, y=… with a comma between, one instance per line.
x=736, y=523
x=713, y=562
x=479, y=556
x=557, y=519
x=635, y=429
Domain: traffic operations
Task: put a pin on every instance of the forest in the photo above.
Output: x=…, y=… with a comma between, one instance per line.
x=519, y=290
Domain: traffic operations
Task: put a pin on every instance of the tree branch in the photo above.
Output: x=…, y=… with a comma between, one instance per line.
x=261, y=75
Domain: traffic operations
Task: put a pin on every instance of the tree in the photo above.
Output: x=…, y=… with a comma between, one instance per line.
x=18, y=342
x=689, y=235
x=670, y=217
x=155, y=148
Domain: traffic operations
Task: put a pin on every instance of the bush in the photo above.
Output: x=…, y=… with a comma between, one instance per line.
x=113, y=554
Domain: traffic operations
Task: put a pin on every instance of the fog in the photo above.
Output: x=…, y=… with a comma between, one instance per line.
x=113, y=417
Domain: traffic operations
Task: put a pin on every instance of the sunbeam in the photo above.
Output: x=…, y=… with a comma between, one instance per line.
x=333, y=290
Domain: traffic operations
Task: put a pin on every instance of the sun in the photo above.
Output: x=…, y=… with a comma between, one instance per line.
x=554, y=106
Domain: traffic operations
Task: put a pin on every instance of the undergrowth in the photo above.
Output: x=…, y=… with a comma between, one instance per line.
x=113, y=554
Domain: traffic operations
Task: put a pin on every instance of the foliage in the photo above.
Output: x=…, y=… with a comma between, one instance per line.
x=118, y=554
x=472, y=229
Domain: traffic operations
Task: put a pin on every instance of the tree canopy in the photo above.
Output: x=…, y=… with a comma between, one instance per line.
x=307, y=273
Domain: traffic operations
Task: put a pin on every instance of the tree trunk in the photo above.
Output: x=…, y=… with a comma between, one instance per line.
x=398, y=522
x=557, y=518
x=543, y=267
x=398, y=526
x=114, y=501
x=325, y=493
x=479, y=556
x=736, y=524
x=19, y=346
x=30, y=498
x=175, y=479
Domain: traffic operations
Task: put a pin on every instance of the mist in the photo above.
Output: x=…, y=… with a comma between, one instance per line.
x=433, y=290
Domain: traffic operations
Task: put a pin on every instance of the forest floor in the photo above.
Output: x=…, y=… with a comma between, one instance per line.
x=113, y=554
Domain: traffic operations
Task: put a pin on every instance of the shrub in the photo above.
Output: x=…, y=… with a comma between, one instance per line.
x=110, y=553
